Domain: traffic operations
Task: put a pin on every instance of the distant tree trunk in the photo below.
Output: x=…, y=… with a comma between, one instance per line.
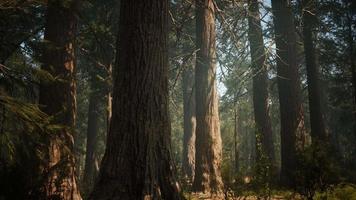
x=318, y=131
x=260, y=91
x=350, y=36
x=2, y=117
x=237, y=125
x=92, y=134
x=109, y=99
x=2, y=108
x=137, y=163
x=58, y=99
x=189, y=123
x=208, y=140
x=353, y=73
x=292, y=119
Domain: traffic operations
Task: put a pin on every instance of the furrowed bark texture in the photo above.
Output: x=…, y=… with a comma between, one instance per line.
x=208, y=140
x=291, y=110
x=318, y=131
x=189, y=123
x=137, y=162
x=260, y=85
x=58, y=100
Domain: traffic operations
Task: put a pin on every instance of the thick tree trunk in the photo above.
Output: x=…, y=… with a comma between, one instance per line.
x=137, y=163
x=58, y=100
x=189, y=123
x=208, y=140
x=260, y=85
x=292, y=115
x=318, y=131
x=92, y=133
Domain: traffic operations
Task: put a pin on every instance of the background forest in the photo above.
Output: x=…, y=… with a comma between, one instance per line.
x=178, y=99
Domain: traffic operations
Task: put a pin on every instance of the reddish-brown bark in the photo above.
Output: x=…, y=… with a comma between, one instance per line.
x=188, y=162
x=57, y=99
x=137, y=163
x=208, y=140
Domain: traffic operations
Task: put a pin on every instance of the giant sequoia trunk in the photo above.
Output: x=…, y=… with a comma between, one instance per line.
x=292, y=120
x=189, y=123
x=137, y=162
x=316, y=117
x=208, y=140
x=260, y=91
x=58, y=100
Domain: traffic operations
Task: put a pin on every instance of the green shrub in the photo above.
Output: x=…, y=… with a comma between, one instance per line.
x=339, y=192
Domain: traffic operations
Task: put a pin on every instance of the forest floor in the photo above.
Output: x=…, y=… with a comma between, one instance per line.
x=194, y=196
x=342, y=191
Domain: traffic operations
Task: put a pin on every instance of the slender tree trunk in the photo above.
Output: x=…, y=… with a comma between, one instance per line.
x=58, y=100
x=318, y=131
x=137, y=163
x=92, y=134
x=2, y=109
x=350, y=21
x=260, y=85
x=350, y=36
x=236, y=139
x=109, y=110
x=2, y=117
x=189, y=123
x=353, y=73
x=292, y=115
x=208, y=140
x=109, y=100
